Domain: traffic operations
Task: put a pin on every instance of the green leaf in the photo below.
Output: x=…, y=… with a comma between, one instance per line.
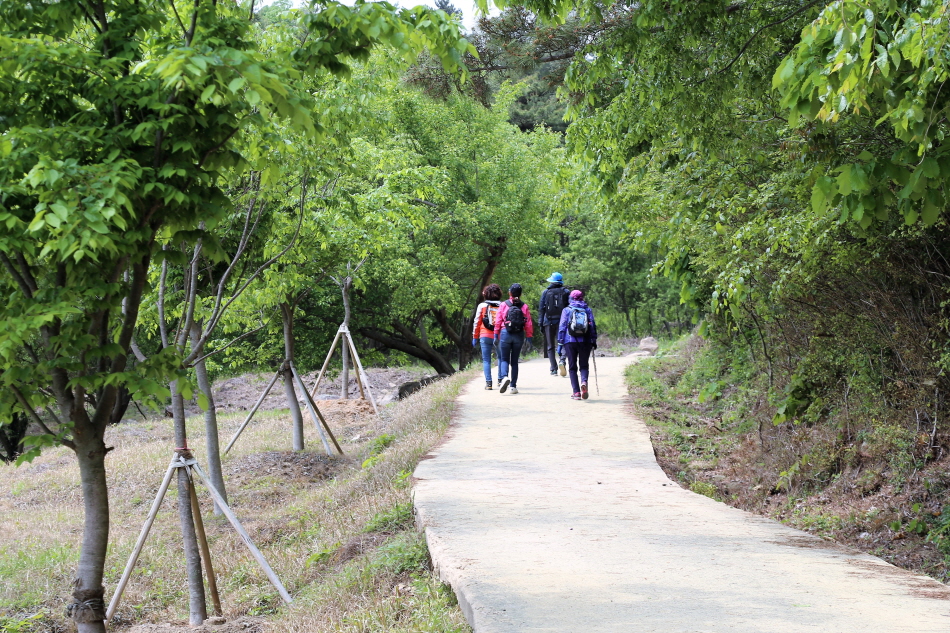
x=844, y=181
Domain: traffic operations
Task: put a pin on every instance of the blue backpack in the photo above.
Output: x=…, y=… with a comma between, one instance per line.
x=578, y=323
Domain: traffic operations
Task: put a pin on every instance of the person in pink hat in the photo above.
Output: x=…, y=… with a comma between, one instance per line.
x=577, y=334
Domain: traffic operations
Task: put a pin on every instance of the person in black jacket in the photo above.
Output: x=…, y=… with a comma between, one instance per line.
x=553, y=301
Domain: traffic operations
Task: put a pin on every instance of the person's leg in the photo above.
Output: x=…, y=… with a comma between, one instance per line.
x=486, y=344
x=584, y=361
x=517, y=344
x=550, y=340
x=496, y=350
x=504, y=353
x=571, y=349
x=583, y=353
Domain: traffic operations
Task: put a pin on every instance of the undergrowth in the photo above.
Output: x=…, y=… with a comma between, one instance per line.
x=339, y=532
x=835, y=462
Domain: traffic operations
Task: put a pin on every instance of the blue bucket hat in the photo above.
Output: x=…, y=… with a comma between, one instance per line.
x=555, y=277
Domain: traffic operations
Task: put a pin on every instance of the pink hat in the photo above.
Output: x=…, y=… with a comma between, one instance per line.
x=577, y=295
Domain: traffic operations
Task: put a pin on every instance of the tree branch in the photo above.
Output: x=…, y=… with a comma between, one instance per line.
x=25, y=287
x=756, y=34
x=218, y=313
x=32, y=413
x=232, y=342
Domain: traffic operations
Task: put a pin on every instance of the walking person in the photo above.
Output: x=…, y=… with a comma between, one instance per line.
x=483, y=329
x=512, y=325
x=553, y=301
x=577, y=333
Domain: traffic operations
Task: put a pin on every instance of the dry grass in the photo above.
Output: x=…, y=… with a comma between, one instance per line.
x=307, y=513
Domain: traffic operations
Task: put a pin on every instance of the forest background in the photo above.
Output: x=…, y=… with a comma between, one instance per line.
x=194, y=189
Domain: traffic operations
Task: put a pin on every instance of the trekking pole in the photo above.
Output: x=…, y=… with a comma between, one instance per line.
x=593, y=357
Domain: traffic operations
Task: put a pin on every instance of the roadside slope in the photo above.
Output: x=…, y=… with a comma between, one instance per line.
x=546, y=514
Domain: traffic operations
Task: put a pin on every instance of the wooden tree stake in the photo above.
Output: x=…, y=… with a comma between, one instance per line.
x=205, y=550
x=315, y=411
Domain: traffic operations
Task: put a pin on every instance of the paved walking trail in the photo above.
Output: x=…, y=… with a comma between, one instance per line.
x=547, y=514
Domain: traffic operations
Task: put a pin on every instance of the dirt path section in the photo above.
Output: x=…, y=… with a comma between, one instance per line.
x=547, y=514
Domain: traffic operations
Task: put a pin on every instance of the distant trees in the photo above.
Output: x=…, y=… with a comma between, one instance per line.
x=480, y=193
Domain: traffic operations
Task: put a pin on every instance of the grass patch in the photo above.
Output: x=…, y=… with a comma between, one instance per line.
x=338, y=531
x=400, y=517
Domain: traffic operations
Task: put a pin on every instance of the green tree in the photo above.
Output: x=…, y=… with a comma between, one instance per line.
x=119, y=121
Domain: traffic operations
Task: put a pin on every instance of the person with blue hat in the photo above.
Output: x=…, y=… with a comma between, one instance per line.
x=553, y=301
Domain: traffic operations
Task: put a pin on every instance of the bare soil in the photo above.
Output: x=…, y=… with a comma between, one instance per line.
x=240, y=393
x=212, y=625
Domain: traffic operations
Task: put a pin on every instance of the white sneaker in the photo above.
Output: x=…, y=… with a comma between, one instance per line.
x=514, y=390
x=504, y=385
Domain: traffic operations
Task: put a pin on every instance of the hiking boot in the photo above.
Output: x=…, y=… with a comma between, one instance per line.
x=562, y=367
x=554, y=372
x=584, y=393
x=575, y=396
x=514, y=390
x=488, y=385
x=504, y=384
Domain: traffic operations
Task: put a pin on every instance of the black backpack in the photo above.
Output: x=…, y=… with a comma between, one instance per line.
x=515, y=320
x=555, y=301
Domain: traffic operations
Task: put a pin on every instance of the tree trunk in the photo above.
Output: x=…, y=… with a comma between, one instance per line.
x=345, y=376
x=88, y=610
x=122, y=401
x=211, y=424
x=196, y=589
x=493, y=255
x=287, y=315
x=410, y=343
x=462, y=343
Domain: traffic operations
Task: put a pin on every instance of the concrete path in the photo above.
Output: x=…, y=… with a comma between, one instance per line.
x=547, y=514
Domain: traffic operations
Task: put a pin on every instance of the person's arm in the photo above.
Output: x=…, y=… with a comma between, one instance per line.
x=541, y=308
x=529, y=324
x=500, y=318
x=477, y=324
x=562, y=327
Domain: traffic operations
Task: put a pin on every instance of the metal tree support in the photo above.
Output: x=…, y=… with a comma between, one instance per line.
x=250, y=415
x=184, y=459
x=361, y=378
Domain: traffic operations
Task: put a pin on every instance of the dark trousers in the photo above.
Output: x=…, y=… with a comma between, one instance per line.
x=550, y=344
x=509, y=350
x=578, y=355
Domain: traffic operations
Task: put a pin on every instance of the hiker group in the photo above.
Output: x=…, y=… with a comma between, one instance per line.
x=503, y=328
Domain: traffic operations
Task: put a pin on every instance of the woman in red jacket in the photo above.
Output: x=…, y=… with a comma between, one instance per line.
x=512, y=325
x=483, y=329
